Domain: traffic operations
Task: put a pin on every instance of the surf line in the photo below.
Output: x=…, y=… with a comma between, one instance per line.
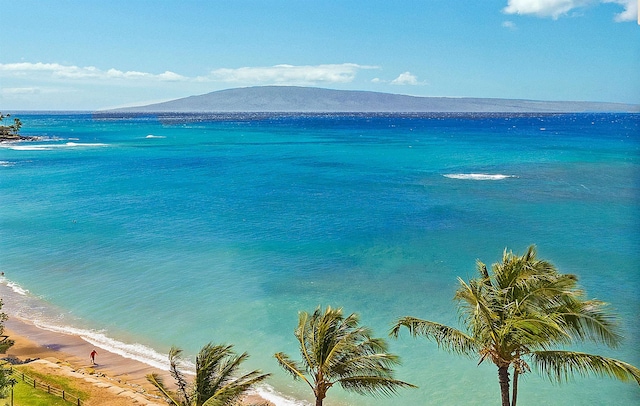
x=478, y=176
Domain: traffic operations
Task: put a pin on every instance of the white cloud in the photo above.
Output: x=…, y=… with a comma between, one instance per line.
x=543, y=8
x=406, y=78
x=40, y=85
x=558, y=8
x=170, y=76
x=56, y=70
x=278, y=74
x=630, y=12
x=509, y=24
x=289, y=74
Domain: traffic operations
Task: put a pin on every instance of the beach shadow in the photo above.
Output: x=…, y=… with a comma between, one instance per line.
x=55, y=347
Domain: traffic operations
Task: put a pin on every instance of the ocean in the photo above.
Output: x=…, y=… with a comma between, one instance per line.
x=142, y=232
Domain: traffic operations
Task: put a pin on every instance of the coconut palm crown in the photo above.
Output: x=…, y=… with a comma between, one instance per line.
x=521, y=311
x=336, y=350
x=217, y=381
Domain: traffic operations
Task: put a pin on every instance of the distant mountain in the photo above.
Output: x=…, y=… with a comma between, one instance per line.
x=308, y=99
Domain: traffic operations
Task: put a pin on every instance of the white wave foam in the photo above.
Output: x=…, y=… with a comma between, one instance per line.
x=17, y=288
x=268, y=393
x=27, y=147
x=478, y=176
x=136, y=351
x=155, y=136
x=49, y=147
x=6, y=163
x=75, y=144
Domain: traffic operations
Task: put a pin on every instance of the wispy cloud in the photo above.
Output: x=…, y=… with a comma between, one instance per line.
x=509, y=24
x=406, y=78
x=33, y=90
x=544, y=8
x=558, y=8
x=19, y=90
x=73, y=72
x=278, y=74
x=630, y=12
x=289, y=74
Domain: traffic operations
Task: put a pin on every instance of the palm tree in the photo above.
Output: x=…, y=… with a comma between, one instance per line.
x=15, y=128
x=335, y=350
x=523, y=309
x=215, y=382
x=4, y=130
x=5, y=343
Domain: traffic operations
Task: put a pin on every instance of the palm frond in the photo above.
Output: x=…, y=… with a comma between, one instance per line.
x=212, y=369
x=590, y=320
x=306, y=338
x=217, y=381
x=533, y=330
x=380, y=365
x=349, y=343
x=157, y=381
x=293, y=368
x=231, y=390
x=175, y=359
x=374, y=385
x=563, y=365
x=479, y=307
x=446, y=337
x=336, y=349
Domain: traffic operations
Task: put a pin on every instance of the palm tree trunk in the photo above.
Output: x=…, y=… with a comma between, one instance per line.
x=503, y=377
x=320, y=395
x=514, y=395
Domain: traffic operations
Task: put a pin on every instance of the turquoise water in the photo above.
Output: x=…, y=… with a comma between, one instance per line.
x=140, y=233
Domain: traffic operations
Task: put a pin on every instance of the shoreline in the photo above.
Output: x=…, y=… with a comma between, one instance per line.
x=113, y=377
x=112, y=372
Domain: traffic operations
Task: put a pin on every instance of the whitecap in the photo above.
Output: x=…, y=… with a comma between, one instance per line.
x=75, y=144
x=49, y=147
x=28, y=147
x=6, y=163
x=155, y=136
x=478, y=176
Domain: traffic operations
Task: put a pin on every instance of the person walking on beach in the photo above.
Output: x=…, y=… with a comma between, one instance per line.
x=93, y=357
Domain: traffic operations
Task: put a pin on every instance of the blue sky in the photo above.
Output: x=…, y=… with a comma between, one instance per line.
x=90, y=54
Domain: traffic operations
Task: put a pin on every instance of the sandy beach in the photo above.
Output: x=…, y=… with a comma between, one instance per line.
x=114, y=380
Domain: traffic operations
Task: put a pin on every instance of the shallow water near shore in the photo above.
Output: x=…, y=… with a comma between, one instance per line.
x=143, y=232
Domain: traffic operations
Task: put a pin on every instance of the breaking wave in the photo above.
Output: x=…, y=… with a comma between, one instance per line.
x=17, y=288
x=478, y=176
x=50, y=147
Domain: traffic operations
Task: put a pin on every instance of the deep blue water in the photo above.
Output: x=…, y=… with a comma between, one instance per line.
x=185, y=229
